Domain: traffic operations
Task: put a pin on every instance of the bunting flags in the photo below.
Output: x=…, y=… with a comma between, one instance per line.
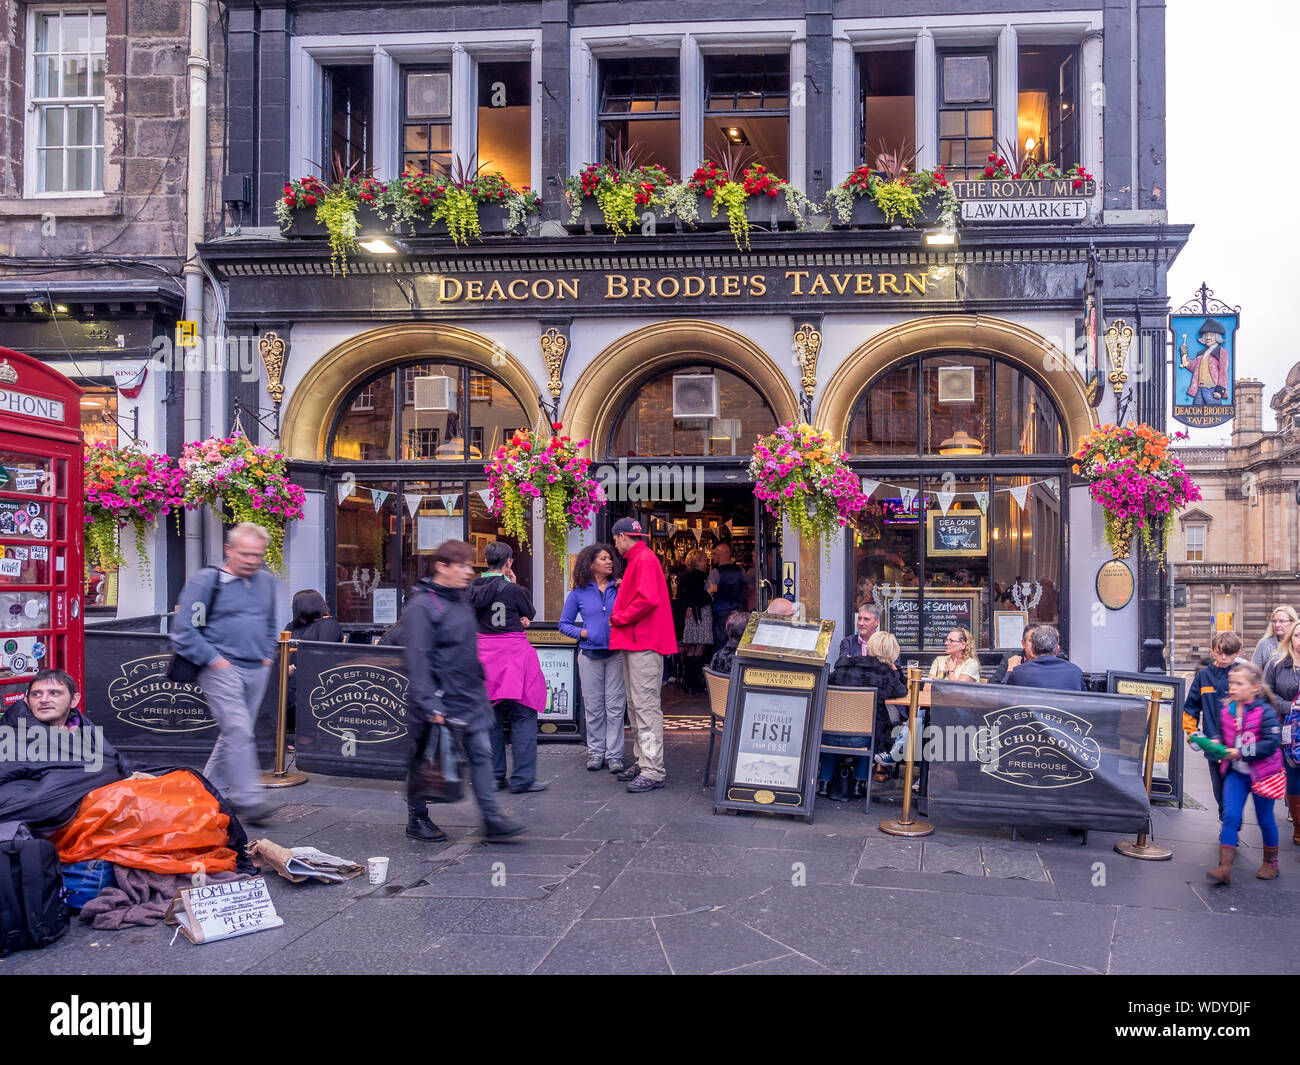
x=449, y=501
x=345, y=489
x=909, y=496
x=1020, y=494
x=485, y=494
x=869, y=486
x=982, y=498
x=413, y=501
x=377, y=497
x=945, y=500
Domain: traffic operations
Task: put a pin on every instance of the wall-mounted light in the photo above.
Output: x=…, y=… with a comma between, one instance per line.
x=381, y=244
x=940, y=237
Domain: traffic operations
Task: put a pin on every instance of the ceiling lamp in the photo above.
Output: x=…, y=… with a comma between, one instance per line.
x=961, y=444
x=736, y=135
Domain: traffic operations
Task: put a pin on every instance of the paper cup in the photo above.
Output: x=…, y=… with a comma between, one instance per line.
x=378, y=869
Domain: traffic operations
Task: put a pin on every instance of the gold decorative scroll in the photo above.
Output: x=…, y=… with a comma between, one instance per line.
x=1119, y=338
x=807, y=346
x=271, y=348
x=554, y=346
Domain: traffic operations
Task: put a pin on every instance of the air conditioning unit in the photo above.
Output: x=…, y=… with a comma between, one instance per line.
x=695, y=395
x=435, y=393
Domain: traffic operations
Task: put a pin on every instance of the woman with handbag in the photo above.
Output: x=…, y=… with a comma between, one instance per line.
x=1282, y=674
x=1252, y=766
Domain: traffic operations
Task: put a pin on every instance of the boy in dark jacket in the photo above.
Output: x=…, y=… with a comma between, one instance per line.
x=1206, y=695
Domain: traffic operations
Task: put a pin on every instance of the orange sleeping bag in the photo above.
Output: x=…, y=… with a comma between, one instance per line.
x=167, y=824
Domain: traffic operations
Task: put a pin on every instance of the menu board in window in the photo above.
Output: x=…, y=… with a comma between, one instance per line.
x=945, y=610
x=957, y=533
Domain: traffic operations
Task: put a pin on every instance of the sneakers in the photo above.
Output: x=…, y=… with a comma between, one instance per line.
x=615, y=765
x=886, y=758
x=418, y=826
x=643, y=783
x=595, y=762
x=630, y=773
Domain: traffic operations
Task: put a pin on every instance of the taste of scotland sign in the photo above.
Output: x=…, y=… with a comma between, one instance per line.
x=1039, y=200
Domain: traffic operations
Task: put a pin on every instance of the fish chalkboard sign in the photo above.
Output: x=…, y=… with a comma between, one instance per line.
x=959, y=532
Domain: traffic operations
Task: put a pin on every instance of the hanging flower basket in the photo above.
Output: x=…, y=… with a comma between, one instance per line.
x=801, y=477
x=1137, y=483
x=126, y=485
x=248, y=482
x=528, y=468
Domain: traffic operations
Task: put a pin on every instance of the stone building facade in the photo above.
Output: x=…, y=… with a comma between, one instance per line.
x=1237, y=551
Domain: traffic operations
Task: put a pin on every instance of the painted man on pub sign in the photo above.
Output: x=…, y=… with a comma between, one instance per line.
x=1204, y=372
x=1208, y=371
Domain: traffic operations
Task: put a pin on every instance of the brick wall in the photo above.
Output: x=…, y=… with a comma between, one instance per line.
x=142, y=212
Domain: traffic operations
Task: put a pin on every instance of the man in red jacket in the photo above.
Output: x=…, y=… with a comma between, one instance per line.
x=641, y=626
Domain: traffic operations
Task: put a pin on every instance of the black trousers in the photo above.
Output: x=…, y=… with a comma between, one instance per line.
x=523, y=741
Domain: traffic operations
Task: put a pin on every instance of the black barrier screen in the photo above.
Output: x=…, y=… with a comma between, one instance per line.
x=351, y=710
x=1027, y=756
x=149, y=717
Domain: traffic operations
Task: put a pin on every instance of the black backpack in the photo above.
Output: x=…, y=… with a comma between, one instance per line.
x=32, y=911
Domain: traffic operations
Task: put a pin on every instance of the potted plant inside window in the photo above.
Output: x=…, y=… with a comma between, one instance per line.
x=889, y=193
x=612, y=197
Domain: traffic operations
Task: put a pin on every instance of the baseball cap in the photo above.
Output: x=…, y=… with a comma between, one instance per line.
x=627, y=526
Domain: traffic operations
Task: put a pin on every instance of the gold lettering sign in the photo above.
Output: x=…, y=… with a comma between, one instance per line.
x=1144, y=688
x=1115, y=584
x=778, y=678
x=549, y=636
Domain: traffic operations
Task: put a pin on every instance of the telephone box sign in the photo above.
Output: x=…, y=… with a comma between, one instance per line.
x=1205, y=354
x=30, y=406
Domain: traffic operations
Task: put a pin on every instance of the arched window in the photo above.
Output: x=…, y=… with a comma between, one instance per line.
x=694, y=410
x=955, y=404
x=391, y=506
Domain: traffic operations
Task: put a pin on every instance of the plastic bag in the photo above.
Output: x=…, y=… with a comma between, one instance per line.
x=437, y=774
x=167, y=824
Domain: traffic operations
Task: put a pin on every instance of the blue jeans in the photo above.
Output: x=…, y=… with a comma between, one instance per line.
x=523, y=742
x=1236, y=786
x=826, y=770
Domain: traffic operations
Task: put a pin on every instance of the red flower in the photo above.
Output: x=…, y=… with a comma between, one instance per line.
x=311, y=200
x=988, y=171
x=1078, y=184
x=556, y=426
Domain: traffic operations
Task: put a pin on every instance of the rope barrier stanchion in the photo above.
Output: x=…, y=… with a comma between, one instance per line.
x=1140, y=848
x=280, y=777
x=905, y=826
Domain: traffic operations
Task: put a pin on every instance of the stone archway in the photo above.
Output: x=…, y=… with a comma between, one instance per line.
x=968, y=332
x=310, y=409
x=594, y=401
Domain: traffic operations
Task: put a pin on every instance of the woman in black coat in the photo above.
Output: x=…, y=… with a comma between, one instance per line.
x=311, y=621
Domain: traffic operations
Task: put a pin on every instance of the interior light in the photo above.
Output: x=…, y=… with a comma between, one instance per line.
x=1029, y=144
x=960, y=443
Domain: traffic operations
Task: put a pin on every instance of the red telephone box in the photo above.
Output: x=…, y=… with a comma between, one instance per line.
x=41, y=535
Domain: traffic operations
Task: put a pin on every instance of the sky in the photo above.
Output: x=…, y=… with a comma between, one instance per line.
x=1232, y=160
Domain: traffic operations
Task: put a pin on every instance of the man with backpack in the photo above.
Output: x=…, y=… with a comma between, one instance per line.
x=439, y=635
x=225, y=624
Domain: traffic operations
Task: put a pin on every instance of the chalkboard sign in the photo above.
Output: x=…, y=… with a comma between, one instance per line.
x=1167, y=776
x=944, y=611
x=210, y=912
x=959, y=532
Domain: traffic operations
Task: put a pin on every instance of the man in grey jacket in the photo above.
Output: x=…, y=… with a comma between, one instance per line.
x=225, y=622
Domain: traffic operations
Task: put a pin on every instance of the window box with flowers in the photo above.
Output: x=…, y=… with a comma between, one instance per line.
x=340, y=212
x=1026, y=168
x=713, y=184
x=467, y=204
x=612, y=197
x=892, y=195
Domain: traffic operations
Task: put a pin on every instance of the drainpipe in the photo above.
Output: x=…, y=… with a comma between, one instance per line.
x=193, y=274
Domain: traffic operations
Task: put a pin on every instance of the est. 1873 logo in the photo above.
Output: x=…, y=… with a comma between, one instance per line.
x=1041, y=747
x=143, y=696
x=363, y=702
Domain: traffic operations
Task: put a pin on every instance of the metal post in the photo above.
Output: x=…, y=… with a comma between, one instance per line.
x=1141, y=848
x=279, y=777
x=905, y=826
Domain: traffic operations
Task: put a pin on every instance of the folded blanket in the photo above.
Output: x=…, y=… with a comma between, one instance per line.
x=139, y=897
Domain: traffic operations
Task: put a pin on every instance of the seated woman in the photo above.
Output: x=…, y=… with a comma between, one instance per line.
x=736, y=625
x=959, y=663
x=876, y=670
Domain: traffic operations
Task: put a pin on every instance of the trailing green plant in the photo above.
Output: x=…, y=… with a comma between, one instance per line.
x=410, y=197
x=619, y=188
x=895, y=188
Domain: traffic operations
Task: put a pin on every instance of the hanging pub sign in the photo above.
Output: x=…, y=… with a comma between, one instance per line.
x=773, y=726
x=1205, y=349
x=1035, y=200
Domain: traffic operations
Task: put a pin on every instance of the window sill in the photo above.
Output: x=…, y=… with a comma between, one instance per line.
x=66, y=207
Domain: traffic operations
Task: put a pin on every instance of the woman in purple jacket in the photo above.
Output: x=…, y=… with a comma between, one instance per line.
x=600, y=670
x=1252, y=735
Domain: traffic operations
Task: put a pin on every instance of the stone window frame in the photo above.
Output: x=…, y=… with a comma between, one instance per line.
x=690, y=42
x=388, y=54
x=27, y=105
x=1005, y=33
x=1200, y=527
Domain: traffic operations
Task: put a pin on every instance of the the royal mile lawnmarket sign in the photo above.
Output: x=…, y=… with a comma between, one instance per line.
x=1041, y=200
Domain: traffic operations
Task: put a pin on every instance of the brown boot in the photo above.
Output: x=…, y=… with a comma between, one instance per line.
x=1268, y=871
x=1222, y=874
x=1293, y=804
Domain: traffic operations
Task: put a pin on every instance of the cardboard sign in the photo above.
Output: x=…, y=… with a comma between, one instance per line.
x=222, y=911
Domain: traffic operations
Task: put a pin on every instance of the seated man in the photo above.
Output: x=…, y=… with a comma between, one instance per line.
x=1009, y=662
x=1046, y=669
x=868, y=619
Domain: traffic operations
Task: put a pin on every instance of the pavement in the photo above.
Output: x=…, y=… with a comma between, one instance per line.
x=607, y=882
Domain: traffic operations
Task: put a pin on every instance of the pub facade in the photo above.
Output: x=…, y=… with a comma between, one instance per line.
x=957, y=370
